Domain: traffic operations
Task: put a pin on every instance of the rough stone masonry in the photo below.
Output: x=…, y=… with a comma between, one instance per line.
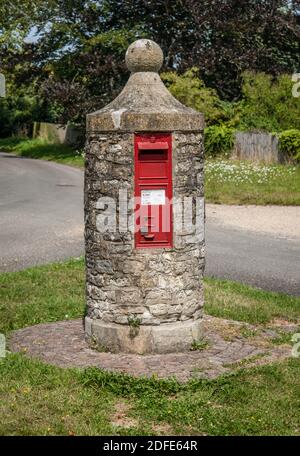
x=142, y=300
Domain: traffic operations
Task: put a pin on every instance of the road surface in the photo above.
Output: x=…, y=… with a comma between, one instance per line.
x=41, y=212
x=41, y=221
x=257, y=259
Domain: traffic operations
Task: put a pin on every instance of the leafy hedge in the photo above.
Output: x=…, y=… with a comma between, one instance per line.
x=218, y=140
x=289, y=144
x=190, y=90
x=266, y=104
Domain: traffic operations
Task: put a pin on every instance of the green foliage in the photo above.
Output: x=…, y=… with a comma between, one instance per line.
x=289, y=143
x=123, y=384
x=134, y=323
x=267, y=103
x=199, y=344
x=16, y=113
x=218, y=140
x=73, y=53
x=21, y=107
x=43, y=150
x=284, y=337
x=40, y=399
x=190, y=90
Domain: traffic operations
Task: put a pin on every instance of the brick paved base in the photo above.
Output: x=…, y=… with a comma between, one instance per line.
x=230, y=345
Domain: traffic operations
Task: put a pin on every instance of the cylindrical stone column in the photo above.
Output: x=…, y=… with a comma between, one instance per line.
x=143, y=300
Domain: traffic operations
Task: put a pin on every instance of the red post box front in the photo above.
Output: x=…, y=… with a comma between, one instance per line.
x=153, y=190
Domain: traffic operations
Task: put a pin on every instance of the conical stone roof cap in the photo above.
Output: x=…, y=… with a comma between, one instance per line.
x=145, y=104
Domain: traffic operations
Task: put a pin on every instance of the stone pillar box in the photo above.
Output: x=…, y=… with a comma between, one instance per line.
x=144, y=216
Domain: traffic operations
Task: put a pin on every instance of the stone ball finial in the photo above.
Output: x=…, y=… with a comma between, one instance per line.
x=144, y=55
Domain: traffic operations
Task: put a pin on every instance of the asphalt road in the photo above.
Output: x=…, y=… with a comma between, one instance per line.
x=41, y=221
x=41, y=212
x=261, y=260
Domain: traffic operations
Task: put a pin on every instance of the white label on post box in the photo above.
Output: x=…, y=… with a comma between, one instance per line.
x=153, y=197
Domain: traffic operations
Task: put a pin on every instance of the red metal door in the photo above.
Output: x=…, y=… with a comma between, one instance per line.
x=153, y=190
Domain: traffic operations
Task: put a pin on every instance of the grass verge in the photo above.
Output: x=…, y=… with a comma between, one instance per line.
x=42, y=294
x=236, y=301
x=41, y=149
x=234, y=182
x=38, y=399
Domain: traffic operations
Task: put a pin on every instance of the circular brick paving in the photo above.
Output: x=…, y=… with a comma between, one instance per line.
x=231, y=345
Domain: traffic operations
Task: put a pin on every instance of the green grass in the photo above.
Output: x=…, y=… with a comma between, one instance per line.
x=233, y=182
x=38, y=399
x=46, y=293
x=263, y=401
x=41, y=149
x=236, y=301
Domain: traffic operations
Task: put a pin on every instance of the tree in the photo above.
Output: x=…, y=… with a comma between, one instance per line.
x=232, y=36
x=75, y=57
x=268, y=103
x=190, y=90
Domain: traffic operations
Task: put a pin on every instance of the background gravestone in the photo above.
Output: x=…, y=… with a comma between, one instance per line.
x=143, y=300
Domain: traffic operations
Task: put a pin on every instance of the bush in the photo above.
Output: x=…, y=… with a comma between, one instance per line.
x=289, y=144
x=218, y=140
x=190, y=90
x=268, y=103
x=21, y=107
